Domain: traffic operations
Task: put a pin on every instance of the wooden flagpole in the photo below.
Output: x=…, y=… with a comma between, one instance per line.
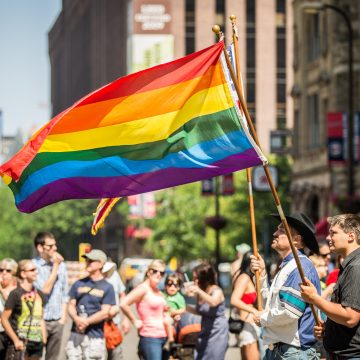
x=217, y=31
x=248, y=172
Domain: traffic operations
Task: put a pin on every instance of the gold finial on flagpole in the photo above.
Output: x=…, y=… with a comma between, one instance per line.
x=232, y=18
x=216, y=29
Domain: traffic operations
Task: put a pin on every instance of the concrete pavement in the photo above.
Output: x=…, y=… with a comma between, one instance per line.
x=131, y=341
x=130, y=344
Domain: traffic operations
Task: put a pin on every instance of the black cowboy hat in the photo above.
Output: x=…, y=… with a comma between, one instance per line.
x=303, y=224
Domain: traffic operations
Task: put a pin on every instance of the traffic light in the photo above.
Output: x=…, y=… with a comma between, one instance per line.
x=84, y=248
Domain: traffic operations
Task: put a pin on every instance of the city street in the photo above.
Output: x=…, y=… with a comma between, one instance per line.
x=131, y=341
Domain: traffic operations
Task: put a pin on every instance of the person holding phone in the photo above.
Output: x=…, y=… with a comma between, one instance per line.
x=52, y=281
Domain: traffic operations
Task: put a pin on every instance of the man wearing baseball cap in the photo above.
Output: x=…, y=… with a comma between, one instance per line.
x=287, y=320
x=90, y=301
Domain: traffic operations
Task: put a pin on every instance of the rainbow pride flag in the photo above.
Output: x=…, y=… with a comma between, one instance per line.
x=172, y=124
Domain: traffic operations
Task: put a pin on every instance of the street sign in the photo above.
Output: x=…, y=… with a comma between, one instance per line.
x=208, y=187
x=84, y=248
x=227, y=186
x=259, y=179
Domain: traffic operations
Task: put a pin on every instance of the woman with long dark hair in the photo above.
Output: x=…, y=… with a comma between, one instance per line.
x=243, y=298
x=210, y=304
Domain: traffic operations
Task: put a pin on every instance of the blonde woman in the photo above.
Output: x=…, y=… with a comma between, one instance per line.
x=8, y=269
x=22, y=318
x=151, y=307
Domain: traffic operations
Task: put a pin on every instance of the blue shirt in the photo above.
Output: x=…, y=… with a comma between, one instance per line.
x=59, y=293
x=92, y=295
x=290, y=295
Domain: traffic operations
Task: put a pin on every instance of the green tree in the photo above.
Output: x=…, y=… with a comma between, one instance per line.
x=179, y=230
x=237, y=208
x=70, y=221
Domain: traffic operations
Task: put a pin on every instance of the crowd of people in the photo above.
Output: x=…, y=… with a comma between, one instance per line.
x=311, y=319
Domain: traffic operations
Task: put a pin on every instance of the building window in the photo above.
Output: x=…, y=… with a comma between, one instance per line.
x=281, y=116
x=281, y=51
x=295, y=140
x=189, y=26
x=281, y=91
x=281, y=63
x=250, y=56
x=313, y=37
x=280, y=6
x=220, y=14
x=314, y=121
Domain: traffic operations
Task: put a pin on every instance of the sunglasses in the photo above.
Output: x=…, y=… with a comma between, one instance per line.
x=90, y=260
x=170, y=283
x=33, y=269
x=155, y=271
x=6, y=270
x=50, y=246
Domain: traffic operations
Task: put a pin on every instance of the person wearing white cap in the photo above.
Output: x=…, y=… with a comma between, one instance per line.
x=113, y=278
x=91, y=299
x=241, y=249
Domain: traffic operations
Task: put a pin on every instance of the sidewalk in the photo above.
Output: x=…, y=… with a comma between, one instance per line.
x=130, y=344
x=131, y=341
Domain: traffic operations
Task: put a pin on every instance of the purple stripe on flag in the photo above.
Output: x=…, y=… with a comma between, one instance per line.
x=109, y=187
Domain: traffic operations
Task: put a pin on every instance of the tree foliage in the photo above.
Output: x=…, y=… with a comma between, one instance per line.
x=70, y=221
x=179, y=230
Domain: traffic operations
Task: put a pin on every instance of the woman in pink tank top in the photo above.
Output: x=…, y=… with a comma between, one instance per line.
x=151, y=306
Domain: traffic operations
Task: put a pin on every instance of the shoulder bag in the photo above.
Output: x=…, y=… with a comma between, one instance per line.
x=236, y=325
x=112, y=334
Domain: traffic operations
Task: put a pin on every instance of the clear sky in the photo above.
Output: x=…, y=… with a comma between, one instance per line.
x=24, y=63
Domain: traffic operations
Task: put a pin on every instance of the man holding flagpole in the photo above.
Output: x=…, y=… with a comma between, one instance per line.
x=341, y=331
x=287, y=320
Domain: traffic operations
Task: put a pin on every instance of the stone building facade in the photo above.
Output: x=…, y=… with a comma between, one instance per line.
x=92, y=44
x=320, y=88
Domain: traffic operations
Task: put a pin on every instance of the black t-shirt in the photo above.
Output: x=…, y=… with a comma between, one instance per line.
x=91, y=295
x=339, y=339
x=23, y=303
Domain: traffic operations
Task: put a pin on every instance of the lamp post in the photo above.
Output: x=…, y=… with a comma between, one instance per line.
x=217, y=223
x=316, y=7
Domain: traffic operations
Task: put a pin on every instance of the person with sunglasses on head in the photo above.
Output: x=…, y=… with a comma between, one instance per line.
x=8, y=268
x=22, y=318
x=52, y=281
x=91, y=300
x=151, y=307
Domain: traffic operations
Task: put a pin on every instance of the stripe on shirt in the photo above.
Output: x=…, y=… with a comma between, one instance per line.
x=292, y=300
